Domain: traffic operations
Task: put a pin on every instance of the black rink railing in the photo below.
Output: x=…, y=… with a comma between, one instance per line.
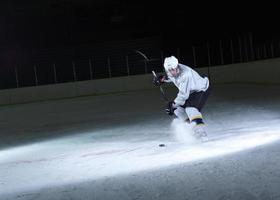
x=117, y=61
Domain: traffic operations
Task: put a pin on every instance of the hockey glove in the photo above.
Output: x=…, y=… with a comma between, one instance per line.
x=171, y=106
x=159, y=80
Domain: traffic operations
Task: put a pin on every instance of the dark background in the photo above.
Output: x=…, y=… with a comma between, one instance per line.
x=42, y=33
x=52, y=23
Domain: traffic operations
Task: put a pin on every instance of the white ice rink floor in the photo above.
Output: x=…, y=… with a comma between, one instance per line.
x=106, y=147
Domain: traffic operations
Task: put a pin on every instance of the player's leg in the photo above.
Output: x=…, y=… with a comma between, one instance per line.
x=193, y=107
x=181, y=114
x=197, y=122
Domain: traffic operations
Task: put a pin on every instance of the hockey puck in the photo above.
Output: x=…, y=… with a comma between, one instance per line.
x=161, y=145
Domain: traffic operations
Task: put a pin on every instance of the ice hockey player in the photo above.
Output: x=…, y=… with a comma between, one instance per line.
x=193, y=91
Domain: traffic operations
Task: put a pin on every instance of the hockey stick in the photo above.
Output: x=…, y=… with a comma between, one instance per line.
x=144, y=56
x=161, y=89
x=154, y=74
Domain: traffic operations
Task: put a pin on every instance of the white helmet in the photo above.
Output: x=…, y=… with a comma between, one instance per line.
x=170, y=63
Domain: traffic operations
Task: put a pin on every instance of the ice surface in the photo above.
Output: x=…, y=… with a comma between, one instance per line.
x=106, y=147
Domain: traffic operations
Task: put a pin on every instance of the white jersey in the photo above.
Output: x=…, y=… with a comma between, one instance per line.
x=187, y=82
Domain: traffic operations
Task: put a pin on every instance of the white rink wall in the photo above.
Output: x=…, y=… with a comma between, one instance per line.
x=264, y=72
x=75, y=89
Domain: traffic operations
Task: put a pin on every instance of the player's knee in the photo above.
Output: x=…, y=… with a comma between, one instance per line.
x=198, y=121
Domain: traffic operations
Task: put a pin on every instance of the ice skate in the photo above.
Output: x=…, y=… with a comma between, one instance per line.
x=200, y=133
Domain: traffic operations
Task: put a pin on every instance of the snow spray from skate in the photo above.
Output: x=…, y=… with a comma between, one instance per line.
x=182, y=132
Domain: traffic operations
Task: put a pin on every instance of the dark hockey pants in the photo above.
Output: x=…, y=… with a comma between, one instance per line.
x=197, y=99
